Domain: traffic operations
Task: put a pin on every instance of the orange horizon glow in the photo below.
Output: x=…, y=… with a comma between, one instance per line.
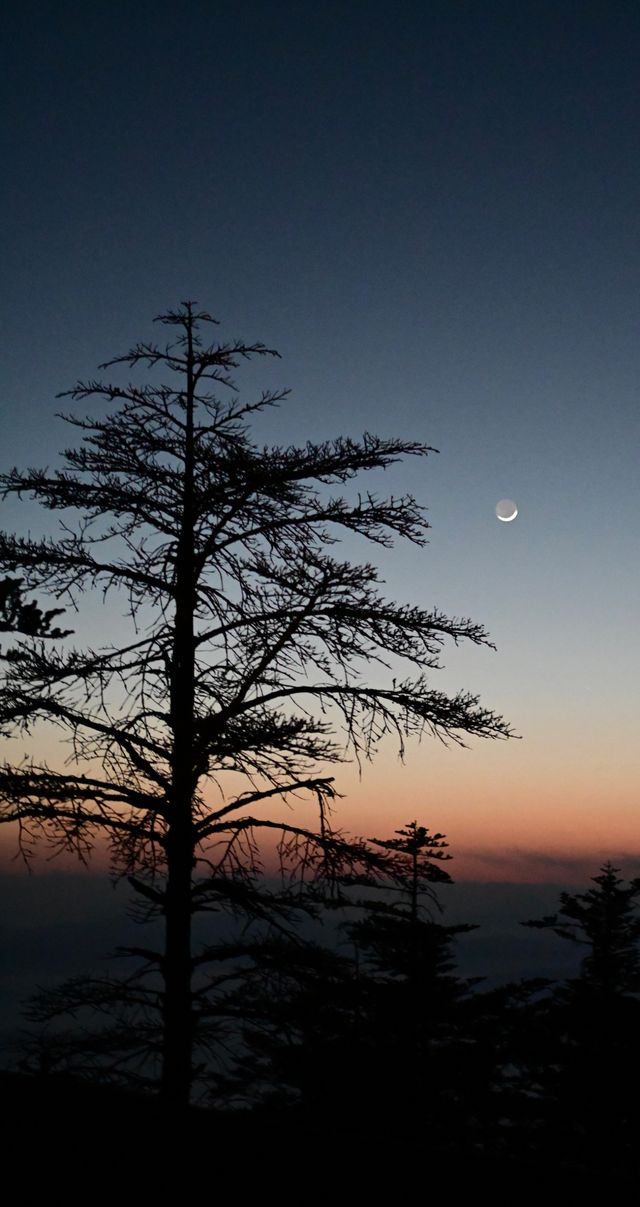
x=552, y=806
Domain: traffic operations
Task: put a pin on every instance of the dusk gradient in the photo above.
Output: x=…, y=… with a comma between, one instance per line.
x=432, y=211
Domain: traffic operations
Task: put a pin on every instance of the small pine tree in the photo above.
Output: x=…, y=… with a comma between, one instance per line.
x=604, y=919
x=592, y=1055
x=327, y=1031
x=398, y=933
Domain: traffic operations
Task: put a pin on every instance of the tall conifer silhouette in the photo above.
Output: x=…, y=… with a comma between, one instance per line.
x=255, y=656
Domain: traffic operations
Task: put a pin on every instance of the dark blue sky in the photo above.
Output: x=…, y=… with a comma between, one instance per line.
x=377, y=189
x=432, y=211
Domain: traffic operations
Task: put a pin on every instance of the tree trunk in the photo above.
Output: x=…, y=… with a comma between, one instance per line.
x=178, y=1022
x=178, y=1014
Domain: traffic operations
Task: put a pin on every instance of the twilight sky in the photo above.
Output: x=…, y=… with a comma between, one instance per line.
x=433, y=211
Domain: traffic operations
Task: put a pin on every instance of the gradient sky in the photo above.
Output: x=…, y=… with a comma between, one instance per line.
x=433, y=211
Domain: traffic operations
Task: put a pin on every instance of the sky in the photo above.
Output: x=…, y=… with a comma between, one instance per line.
x=432, y=211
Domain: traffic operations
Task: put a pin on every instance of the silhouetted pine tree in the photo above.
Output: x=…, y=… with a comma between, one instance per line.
x=249, y=645
x=606, y=921
x=409, y=992
x=592, y=1025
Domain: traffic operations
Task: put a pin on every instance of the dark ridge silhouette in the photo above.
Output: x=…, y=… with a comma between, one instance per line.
x=384, y=1044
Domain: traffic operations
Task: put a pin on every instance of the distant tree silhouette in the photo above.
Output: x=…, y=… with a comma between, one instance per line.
x=606, y=921
x=410, y=992
x=254, y=656
x=398, y=931
x=331, y=1030
x=591, y=1024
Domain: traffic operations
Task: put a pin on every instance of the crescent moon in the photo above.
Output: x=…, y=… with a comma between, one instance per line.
x=506, y=510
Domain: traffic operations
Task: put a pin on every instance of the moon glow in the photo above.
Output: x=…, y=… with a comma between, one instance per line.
x=506, y=510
